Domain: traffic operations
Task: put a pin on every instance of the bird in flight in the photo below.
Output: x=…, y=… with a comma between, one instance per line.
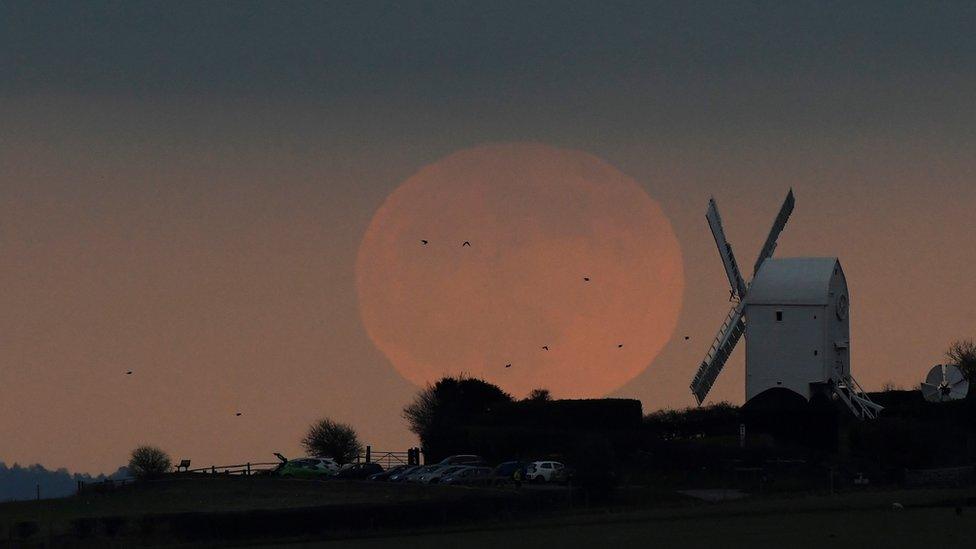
x=545, y=347
x=586, y=279
x=466, y=243
x=687, y=338
x=128, y=373
x=423, y=242
x=238, y=413
x=620, y=345
x=508, y=365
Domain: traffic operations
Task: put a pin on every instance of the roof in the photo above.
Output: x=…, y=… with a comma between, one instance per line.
x=793, y=281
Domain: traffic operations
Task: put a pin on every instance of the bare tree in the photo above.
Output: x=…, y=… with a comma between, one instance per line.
x=962, y=353
x=149, y=462
x=327, y=438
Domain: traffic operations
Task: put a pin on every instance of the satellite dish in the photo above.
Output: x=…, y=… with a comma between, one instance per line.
x=944, y=383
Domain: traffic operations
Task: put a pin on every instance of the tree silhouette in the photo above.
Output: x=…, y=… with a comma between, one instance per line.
x=962, y=353
x=327, y=438
x=441, y=412
x=149, y=462
x=539, y=395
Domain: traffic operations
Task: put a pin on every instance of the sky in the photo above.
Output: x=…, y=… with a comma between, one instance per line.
x=184, y=188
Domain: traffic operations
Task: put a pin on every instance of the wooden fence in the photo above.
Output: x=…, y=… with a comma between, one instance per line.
x=385, y=459
x=243, y=469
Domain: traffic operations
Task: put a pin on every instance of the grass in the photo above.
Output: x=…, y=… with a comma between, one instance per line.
x=862, y=528
x=218, y=494
x=854, y=519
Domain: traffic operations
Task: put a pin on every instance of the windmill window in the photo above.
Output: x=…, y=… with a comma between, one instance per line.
x=779, y=316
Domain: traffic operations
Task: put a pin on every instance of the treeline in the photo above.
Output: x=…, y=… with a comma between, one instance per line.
x=18, y=482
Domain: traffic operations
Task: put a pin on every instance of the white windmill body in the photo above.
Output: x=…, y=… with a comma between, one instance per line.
x=795, y=318
x=798, y=325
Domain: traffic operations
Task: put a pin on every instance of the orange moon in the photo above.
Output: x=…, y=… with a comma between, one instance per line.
x=540, y=222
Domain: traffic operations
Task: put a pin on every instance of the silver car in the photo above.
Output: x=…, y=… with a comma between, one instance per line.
x=426, y=469
x=470, y=476
x=434, y=476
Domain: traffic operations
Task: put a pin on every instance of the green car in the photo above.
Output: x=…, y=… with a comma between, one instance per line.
x=308, y=468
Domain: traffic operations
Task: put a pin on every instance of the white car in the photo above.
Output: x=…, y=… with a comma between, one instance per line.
x=435, y=476
x=545, y=471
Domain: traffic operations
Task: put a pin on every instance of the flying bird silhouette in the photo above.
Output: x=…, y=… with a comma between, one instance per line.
x=128, y=373
x=586, y=278
x=687, y=338
x=545, y=347
x=424, y=242
x=238, y=413
x=466, y=243
x=620, y=345
x=508, y=365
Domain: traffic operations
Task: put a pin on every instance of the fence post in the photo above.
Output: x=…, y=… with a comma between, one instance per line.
x=213, y=469
x=249, y=468
x=367, y=453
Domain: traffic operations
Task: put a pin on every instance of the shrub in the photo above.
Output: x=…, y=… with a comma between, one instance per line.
x=327, y=438
x=149, y=462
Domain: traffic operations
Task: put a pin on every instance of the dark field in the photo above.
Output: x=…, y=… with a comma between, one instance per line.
x=238, y=508
x=223, y=494
x=863, y=528
x=270, y=512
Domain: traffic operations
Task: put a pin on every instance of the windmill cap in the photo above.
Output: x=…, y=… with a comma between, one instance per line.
x=795, y=281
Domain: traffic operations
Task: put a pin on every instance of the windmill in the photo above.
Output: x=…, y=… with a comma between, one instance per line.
x=944, y=382
x=794, y=315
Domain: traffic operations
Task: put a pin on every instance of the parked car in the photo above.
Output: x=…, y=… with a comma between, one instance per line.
x=426, y=469
x=505, y=472
x=469, y=476
x=353, y=471
x=545, y=471
x=401, y=476
x=434, y=476
x=464, y=459
x=308, y=468
x=385, y=475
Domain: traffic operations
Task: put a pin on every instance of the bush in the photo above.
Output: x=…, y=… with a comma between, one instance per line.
x=149, y=462
x=331, y=439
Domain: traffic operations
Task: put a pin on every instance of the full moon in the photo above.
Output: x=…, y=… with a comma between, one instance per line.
x=522, y=264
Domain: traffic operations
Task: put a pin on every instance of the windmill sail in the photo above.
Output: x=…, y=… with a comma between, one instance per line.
x=784, y=215
x=734, y=325
x=718, y=354
x=725, y=250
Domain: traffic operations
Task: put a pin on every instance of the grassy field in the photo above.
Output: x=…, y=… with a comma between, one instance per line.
x=206, y=493
x=862, y=528
x=202, y=510
x=929, y=518
x=183, y=500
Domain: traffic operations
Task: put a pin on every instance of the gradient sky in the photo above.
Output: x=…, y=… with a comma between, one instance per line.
x=184, y=187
